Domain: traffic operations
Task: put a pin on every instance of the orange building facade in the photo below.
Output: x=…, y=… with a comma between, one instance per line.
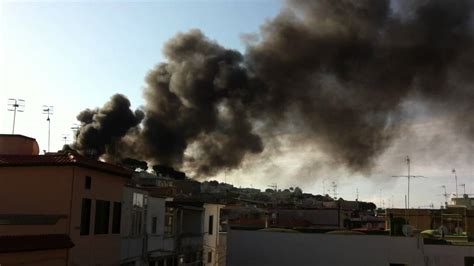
x=60, y=209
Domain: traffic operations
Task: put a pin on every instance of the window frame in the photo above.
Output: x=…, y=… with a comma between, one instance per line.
x=101, y=227
x=154, y=224
x=116, y=218
x=210, y=225
x=85, y=227
x=88, y=182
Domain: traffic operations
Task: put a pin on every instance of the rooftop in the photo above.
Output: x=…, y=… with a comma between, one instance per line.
x=62, y=159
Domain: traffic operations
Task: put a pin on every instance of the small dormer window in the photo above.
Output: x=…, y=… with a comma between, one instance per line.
x=88, y=182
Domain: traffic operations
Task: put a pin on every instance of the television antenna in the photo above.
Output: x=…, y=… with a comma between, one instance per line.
x=48, y=110
x=334, y=189
x=15, y=105
x=65, y=137
x=446, y=195
x=408, y=178
x=456, y=180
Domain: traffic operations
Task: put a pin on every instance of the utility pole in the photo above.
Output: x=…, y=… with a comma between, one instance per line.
x=48, y=110
x=15, y=105
x=408, y=178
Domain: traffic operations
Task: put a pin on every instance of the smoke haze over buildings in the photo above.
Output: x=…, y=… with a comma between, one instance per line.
x=337, y=72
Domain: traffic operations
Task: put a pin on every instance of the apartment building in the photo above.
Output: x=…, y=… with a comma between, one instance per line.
x=59, y=208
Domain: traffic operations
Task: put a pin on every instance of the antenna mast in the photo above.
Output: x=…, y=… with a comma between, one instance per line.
x=15, y=105
x=445, y=196
x=456, y=180
x=408, y=178
x=48, y=110
x=334, y=189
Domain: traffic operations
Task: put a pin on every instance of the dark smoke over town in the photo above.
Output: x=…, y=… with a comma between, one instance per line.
x=338, y=71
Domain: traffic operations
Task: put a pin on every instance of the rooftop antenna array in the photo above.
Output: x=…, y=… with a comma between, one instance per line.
x=15, y=105
x=408, y=178
x=446, y=196
x=456, y=180
x=48, y=110
x=334, y=189
x=65, y=137
x=464, y=188
x=273, y=186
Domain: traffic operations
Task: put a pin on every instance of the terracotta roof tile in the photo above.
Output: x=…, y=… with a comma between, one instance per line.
x=34, y=242
x=60, y=159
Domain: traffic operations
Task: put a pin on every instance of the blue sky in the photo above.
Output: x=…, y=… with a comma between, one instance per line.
x=73, y=54
x=76, y=54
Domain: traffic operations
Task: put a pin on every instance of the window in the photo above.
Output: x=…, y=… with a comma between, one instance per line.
x=102, y=211
x=85, y=217
x=153, y=225
x=169, y=220
x=116, y=217
x=137, y=200
x=136, y=223
x=209, y=257
x=88, y=182
x=211, y=224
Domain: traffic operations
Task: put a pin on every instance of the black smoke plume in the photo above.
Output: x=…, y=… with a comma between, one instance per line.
x=101, y=129
x=341, y=68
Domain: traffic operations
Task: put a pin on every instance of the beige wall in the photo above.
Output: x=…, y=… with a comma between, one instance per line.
x=95, y=249
x=35, y=190
x=48, y=190
x=55, y=257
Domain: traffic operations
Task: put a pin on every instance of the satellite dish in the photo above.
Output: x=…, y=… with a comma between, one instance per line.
x=407, y=230
x=443, y=230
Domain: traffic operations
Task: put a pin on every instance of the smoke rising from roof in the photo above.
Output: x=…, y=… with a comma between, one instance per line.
x=338, y=71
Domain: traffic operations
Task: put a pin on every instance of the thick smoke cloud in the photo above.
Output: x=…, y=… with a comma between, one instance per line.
x=102, y=128
x=336, y=70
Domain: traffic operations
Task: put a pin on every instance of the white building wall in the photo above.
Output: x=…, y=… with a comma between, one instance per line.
x=155, y=209
x=132, y=244
x=211, y=241
x=275, y=248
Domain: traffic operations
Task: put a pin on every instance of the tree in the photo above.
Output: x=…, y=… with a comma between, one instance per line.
x=134, y=164
x=297, y=192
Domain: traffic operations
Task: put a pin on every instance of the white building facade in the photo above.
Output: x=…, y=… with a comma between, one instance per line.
x=211, y=234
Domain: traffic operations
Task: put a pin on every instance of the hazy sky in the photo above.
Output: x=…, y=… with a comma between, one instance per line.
x=75, y=54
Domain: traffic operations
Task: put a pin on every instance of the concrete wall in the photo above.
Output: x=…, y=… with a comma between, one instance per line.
x=94, y=249
x=156, y=241
x=36, y=190
x=59, y=190
x=211, y=241
x=276, y=248
x=132, y=247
